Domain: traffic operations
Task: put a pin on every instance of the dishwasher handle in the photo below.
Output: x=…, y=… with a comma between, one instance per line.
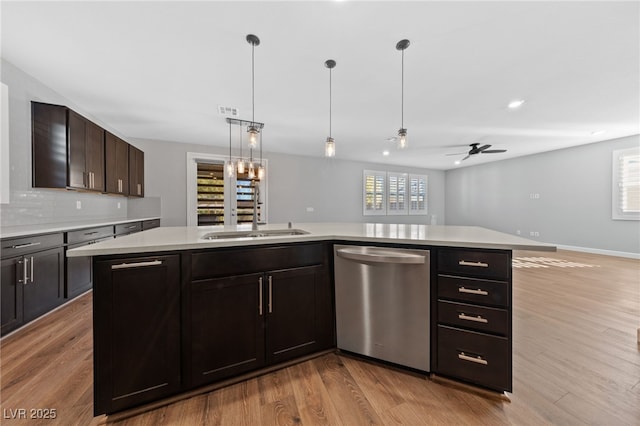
x=381, y=256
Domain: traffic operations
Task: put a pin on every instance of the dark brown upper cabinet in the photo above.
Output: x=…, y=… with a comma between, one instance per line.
x=116, y=165
x=68, y=149
x=136, y=172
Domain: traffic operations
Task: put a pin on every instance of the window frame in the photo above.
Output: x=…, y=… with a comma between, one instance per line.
x=375, y=174
x=399, y=176
x=419, y=211
x=616, y=183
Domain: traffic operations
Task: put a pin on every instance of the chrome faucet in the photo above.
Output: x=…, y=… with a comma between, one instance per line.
x=256, y=194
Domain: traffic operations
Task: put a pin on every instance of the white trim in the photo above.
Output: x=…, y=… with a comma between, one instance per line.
x=626, y=254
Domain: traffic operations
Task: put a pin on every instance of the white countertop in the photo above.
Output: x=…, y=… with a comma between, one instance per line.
x=190, y=238
x=48, y=228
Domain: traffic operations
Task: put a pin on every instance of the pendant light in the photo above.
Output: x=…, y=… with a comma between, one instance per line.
x=252, y=129
x=241, y=159
x=330, y=144
x=402, y=133
x=261, y=167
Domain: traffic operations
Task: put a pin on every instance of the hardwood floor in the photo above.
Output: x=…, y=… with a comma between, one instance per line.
x=575, y=361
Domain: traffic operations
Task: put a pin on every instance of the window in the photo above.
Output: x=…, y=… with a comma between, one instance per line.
x=626, y=184
x=397, y=198
x=390, y=193
x=374, y=193
x=417, y=194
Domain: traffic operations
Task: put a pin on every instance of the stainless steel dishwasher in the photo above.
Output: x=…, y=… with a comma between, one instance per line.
x=382, y=303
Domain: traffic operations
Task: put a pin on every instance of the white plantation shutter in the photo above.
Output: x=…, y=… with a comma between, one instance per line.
x=417, y=194
x=374, y=193
x=397, y=193
x=626, y=184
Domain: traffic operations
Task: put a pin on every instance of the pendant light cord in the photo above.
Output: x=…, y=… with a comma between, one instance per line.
x=253, y=96
x=330, y=102
x=402, y=94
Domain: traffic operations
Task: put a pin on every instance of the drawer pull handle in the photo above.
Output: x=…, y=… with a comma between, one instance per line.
x=478, y=318
x=476, y=264
x=90, y=233
x=477, y=360
x=17, y=246
x=136, y=265
x=478, y=292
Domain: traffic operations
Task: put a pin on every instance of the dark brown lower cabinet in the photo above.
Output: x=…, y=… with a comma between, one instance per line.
x=239, y=322
x=44, y=291
x=136, y=331
x=11, y=295
x=227, y=328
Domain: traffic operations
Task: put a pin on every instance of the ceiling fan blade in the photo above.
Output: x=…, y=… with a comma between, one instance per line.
x=483, y=147
x=493, y=151
x=468, y=155
x=457, y=153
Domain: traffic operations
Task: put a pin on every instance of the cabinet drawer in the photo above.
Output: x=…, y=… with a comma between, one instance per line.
x=19, y=246
x=475, y=357
x=492, y=264
x=246, y=260
x=481, y=318
x=483, y=292
x=128, y=228
x=89, y=234
x=150, y=224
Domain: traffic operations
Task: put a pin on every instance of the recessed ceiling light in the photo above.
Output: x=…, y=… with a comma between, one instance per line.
x=516, y=104
x=457, y=162
x=385, y=153
x=598, y=132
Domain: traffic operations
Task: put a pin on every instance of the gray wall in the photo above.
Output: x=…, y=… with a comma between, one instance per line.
x=574, y=208
x=29, y=205
x=332, y=187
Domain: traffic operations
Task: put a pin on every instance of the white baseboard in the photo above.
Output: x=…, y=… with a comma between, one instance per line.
x=600, y=251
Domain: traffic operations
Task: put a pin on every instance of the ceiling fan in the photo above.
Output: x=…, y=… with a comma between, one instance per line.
x=484, y=149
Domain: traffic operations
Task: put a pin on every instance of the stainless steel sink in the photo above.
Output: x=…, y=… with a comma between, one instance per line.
x=253, y=234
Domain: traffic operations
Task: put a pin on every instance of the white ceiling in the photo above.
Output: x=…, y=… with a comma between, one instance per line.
x=159, y=70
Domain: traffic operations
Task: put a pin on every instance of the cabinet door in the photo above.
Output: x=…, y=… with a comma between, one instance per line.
x=226, y=327
x=49, y=139
x=11, y=295
x=79, y=275
x=44, y=289
x=136, y=172
x=116, y=165
x=76, y=151
x=136, y=331
x=94, y=156
x=293, y=312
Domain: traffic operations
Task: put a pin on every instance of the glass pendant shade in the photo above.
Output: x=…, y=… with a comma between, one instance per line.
x=402, y=138
x=330, y=147
x=253, y=136
x=260, y=172
x=252, y=173
x=241, y=166
x=230, y=168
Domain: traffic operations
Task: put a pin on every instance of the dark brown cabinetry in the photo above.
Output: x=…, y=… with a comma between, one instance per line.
x=67, y=149
x=150, y=224
x=127, y=228
x=474, y=317
x=136, y=331
x=116, y=165
x=278, y=300
x=32, y=278
x=79, y=271
x=136, y=172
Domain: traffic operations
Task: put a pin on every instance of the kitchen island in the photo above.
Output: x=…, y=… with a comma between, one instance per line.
x=175, y=311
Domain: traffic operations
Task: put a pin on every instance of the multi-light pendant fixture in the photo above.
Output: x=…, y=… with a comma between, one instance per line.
x=330, y=144
x=253, y=129
x=402, y=133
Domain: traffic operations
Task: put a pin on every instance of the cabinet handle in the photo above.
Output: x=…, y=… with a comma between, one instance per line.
x=139, y=189
x=137, y=264
x=466, y=317
x=17, y=246
x=475, y=264
x=131, y=227
x=90, y=180
x=478, y=292
x=270, y=294
x=23, y=262
x=477, y=359
x=260, y=296
x=90, y=233
x=32, y=262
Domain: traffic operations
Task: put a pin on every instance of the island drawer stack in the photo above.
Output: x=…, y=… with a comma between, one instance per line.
x=474, y=317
